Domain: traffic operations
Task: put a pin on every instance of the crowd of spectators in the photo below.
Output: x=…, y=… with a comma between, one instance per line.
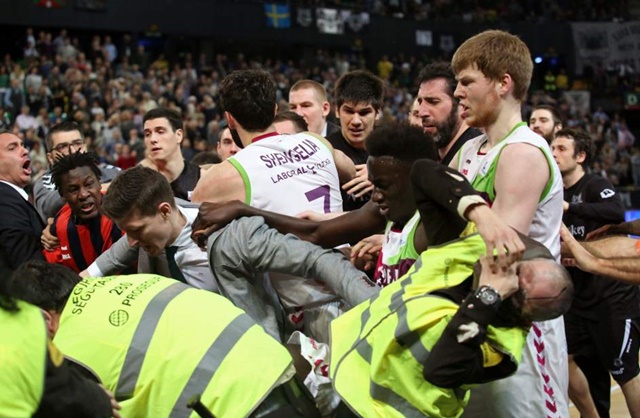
x=488, y=11
x=108, y=85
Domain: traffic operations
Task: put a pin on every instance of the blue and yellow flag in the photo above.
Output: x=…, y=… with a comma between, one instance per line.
x=278, y=15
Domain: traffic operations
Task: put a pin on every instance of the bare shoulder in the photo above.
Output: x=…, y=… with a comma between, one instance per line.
x=521, y=152
x=522, y=164
x=220, y=183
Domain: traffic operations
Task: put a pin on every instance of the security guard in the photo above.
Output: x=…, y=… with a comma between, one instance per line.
x=35, y=380
x=415, y=348
x=156, y=342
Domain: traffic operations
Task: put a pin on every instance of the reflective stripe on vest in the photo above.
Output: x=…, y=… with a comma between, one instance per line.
x=156, y=342
x=378, y=370
x=210, y=362
x=141, y=339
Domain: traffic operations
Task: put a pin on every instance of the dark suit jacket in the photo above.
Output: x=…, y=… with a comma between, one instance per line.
x=20, y=231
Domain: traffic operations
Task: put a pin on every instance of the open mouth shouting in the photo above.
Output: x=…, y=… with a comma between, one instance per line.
x=26, y=167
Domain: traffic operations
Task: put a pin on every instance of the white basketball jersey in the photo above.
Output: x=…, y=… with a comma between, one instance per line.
x=289, y=174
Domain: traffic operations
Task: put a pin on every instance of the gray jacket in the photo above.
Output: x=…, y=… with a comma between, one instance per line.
x=241, y=253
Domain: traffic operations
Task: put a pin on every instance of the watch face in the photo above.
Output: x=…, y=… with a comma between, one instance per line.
x=487, y=295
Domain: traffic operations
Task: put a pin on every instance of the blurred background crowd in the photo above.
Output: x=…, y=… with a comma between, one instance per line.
x=106, y=80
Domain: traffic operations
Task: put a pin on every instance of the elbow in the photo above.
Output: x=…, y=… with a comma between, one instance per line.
x=440, y=377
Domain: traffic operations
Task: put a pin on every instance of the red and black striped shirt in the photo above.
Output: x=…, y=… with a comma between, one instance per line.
x=81, y=243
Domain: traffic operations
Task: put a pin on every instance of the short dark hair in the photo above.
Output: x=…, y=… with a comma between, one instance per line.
x=359, y=86
x=206, y=157
x=402, y=141
x=437, y=70
x=582, y=142
x=137, y=190
x=162, y=112
x=43, y=284
x=250, y=97
x=298, y=121
x=66, y=163
x=65, y=126
x=557, y=120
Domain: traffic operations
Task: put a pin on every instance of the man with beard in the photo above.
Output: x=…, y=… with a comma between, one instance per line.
x=602, y=324
x=438, y=109
x=545, y=121
x=438, y=116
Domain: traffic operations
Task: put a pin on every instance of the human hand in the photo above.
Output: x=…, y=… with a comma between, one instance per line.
x=215, y=216
x=115, y=406
x=501, y=240
x=500, y=274
x=49, y=242
x=365, y=253
x=360, y=184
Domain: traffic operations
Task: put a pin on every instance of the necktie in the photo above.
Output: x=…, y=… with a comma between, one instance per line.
x=173, y=266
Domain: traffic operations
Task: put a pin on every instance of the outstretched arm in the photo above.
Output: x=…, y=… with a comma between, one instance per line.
x=619, y=267
x=625, y=228
x=446, y=201
x=348, y=228
x=242, y=246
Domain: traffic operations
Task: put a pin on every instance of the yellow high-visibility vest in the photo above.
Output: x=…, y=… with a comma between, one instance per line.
x=23, y=359
x=155, y=342
x=378, y=349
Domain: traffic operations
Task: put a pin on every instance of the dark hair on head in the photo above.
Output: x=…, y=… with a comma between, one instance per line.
x=7, y=302
x=359, y=86
x=162, y=112
x=582, y=142
x=250, y=97
x=557, y=120
x=206, y=157
x=402, y=141
x=42, y=284
x=298, y=121
x=437, y=70
x=66, y=126
x=138, y=190
x=66, y=163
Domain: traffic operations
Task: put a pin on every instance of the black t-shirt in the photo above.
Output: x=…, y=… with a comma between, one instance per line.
x=593, y=203
x=183, y=186
x=358, y=156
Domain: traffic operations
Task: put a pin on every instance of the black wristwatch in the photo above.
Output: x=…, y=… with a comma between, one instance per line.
x=487, y=295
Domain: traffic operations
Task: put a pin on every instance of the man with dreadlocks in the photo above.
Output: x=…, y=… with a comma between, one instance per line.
x=84, y=233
